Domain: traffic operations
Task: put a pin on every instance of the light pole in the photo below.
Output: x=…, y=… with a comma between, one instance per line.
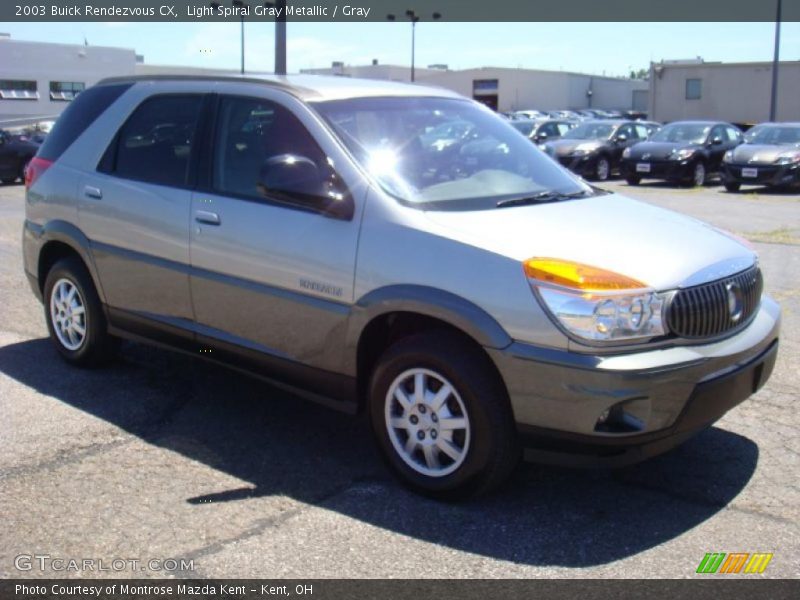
x=773, y=105
x=280, y=35
x=414, y=18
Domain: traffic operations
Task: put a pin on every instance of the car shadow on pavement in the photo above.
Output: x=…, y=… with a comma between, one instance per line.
x=286, y=446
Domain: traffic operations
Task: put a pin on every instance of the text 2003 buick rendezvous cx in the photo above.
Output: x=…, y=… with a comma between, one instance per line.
x=471, y=295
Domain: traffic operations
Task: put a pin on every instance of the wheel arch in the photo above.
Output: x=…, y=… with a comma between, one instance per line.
x=384, y=316
x=59, y=239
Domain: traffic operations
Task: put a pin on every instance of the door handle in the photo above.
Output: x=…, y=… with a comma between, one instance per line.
x=92, y=192
x=207, y=217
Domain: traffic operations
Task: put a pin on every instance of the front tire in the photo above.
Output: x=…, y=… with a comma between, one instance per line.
x=441, y=417
x=75, y=317
x=602, y=169
x=633, y=180
x=733, y=186
x=698, y=174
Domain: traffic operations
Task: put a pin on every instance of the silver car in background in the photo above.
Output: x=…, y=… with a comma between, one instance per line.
x=397, y=250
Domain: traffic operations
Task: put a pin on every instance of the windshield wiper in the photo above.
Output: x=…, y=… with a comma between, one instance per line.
x=541, y=197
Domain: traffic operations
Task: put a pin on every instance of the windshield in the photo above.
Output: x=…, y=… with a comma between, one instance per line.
x=773, y=135
x=590, y=131
x=682, y=132
x=444, y=153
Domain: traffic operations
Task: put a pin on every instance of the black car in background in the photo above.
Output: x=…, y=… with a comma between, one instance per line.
x=770, y=156
x=15, y=153
x=544, y=130
x=681, y=152
x=594, y=148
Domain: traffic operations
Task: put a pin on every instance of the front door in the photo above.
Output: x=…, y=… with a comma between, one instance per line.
x=270, y=274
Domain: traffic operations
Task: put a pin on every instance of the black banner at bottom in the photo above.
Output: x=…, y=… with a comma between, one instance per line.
x=415, y=589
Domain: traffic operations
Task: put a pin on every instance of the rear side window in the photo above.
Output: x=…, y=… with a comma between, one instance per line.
x=81, y=113
x=155, y=143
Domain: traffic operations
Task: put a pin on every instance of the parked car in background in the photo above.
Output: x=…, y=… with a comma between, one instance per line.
x=16, y=152
x=542, y=131
x=564, y=114
x=532, y=114
x=681, y=152
x=770, y=156
x=594, y=148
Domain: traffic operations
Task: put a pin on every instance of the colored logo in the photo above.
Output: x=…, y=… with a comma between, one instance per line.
x=735, y=562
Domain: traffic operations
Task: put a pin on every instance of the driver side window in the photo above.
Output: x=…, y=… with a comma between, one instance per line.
x=262, y=151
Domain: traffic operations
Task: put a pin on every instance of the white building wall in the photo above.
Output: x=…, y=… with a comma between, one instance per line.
x=56, y=62
x=735, y=92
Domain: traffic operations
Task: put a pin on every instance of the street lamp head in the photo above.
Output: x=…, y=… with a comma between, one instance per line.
x=237, y=3
x=410, y=14
x=390, y=17
x=437, y=16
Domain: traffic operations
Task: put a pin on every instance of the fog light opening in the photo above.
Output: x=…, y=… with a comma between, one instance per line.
x=616, y=420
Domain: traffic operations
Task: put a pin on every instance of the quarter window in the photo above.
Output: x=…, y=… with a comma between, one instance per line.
x=694, y=89
x=155, y=143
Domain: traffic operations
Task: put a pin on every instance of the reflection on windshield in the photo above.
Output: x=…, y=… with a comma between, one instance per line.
x=590, y=131
x=772, y=135
x=692, y=134
x=444, y=153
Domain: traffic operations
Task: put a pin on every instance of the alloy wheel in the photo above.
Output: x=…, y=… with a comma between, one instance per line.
x=427, y=422
x=68, y=314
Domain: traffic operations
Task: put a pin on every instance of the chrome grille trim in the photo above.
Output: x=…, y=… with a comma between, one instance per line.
x=704, y=311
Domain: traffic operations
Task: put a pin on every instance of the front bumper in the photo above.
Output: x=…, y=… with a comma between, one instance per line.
x=670, y=170
x=584, y=164
x=771, y=175
x=674, y=392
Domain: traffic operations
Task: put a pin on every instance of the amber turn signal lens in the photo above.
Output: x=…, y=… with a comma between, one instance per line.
x=578, y=276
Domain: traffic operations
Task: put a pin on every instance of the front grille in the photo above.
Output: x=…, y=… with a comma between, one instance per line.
x=712, y=309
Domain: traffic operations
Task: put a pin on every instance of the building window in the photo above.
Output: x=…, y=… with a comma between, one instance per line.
x=694, y=89
x=15, y=89
x=65, y=90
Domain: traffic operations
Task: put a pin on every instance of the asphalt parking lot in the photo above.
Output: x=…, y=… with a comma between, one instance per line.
x=163, y=456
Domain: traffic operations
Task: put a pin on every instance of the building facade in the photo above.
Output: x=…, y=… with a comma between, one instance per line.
x=734, y=92
x=38, y=80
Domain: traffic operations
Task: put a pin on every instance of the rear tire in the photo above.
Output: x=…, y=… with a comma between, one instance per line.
x=733, y=187
x=441, y=417
x=75, y=317
x=9, y=180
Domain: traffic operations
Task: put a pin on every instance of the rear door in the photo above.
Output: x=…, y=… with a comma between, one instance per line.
x=271, y=273
x=135, y=210
x=717, y=150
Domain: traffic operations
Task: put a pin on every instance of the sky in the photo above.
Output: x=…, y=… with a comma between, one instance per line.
x=597, y=48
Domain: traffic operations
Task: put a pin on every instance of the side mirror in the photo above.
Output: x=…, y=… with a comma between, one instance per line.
x=716, y=141
x=540, y=138
x=621, y=138
x=297, y=180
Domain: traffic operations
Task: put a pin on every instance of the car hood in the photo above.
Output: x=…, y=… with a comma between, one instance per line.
x=659, y=247
x=762, y=154
x=658, y=150
x=566, y=147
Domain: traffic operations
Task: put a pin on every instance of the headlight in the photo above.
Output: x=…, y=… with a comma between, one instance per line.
x=788, y=158
x=728, y=157
x=682, y=154
x=595, y=304
x=626, y=153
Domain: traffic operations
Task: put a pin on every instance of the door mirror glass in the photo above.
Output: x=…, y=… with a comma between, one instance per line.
x=621, y=138
x=541, y=137
x=716, y=140
x=297, y=180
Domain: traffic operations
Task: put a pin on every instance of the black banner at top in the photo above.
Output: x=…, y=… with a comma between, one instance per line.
x=398, y=10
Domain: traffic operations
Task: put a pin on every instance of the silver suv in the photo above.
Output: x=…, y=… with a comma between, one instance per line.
x=397, y=250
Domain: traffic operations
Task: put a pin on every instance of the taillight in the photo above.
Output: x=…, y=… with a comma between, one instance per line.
x=36, y=167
